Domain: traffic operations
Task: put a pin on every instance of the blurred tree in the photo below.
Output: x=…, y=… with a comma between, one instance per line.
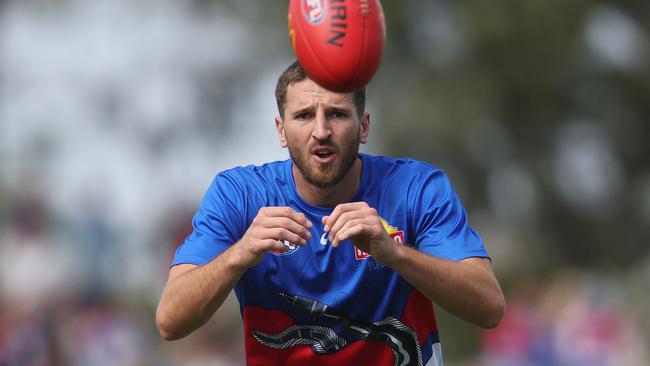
x=527, y=66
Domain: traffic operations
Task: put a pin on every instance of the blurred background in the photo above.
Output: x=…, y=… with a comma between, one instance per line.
x=115, y=115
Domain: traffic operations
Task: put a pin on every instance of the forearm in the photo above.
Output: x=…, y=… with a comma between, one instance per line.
x=467, y=289
x=193, y=295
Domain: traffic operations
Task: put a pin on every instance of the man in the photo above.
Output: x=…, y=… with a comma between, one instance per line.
x=335, y=256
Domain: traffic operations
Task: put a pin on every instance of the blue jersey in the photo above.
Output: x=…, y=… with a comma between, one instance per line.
x=319, y=305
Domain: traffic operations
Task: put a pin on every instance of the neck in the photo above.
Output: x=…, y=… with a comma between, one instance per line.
x=341, y=192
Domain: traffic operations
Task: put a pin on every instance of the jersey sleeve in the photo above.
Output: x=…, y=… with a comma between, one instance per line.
x=217, y=224
x=440, y=221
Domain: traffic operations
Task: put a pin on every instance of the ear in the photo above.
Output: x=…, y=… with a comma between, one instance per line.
x=365, y=127
x=279, y=126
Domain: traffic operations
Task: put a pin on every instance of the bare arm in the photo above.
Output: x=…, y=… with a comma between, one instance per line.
x=467, y=288
x=194, y=293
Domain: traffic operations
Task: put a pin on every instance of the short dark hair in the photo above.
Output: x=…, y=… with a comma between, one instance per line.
x=295, y=73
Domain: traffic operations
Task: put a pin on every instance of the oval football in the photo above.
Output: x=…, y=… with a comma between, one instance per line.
x=339, y=43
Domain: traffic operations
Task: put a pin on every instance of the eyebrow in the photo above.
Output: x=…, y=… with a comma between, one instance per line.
x=331, y=108
x=309, y=108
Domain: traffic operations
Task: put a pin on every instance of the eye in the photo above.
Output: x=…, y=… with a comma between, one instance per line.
x=303, y=116
x=338, y=115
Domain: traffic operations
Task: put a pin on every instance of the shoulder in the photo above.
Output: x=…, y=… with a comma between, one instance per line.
x=405, y=168
x=252, y=175
x=245, y=188
x=414, y=180
x=257, y=185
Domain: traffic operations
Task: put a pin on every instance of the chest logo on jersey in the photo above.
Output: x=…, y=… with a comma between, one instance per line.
x=326, y=341
x=292, y=249
x=392, y=231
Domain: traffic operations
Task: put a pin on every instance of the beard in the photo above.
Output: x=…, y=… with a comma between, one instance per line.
x=325, y=175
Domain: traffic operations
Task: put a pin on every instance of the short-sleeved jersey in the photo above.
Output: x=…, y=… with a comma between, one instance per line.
x=319, y=305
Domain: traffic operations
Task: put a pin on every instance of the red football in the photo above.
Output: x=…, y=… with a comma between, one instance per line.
x=339, y=43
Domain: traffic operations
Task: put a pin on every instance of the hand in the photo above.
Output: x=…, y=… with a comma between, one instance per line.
x=269, y=229
x=360, y=223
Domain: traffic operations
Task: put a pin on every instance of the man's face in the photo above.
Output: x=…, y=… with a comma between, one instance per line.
x=322, y=130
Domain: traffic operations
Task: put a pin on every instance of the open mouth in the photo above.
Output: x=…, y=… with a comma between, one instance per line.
x=323, y=154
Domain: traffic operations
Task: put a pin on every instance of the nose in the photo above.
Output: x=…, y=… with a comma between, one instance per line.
x=322, y=130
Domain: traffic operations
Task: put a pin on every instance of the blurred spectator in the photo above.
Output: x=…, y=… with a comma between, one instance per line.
x=521, y=338
x=29, y=339
x=575, y=320
x=35, y=263
x=98, y=249
x=100, y=333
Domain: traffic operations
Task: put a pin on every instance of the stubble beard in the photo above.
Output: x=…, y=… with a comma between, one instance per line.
x=325, y=176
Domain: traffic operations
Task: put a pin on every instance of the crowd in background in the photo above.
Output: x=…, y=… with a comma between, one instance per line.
x=115, y=115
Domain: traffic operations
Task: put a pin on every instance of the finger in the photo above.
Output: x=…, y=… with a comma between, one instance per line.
x=276, y=246
x=331, y=218
x=353, y=231
x=342, y=220
x=284, y=234
x=298, y=217
x=340, y=210
x=350, y=215
x=286, y=223
x=338, y=234
x=263, y=246
x=301, y=219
